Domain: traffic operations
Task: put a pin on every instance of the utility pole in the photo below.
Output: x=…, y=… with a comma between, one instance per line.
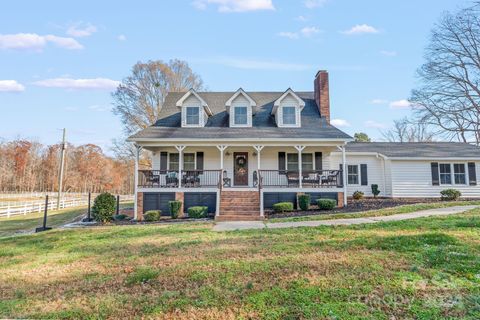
x=62, y=163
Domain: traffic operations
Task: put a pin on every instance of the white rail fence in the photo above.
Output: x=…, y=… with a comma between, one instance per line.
x=23, y=208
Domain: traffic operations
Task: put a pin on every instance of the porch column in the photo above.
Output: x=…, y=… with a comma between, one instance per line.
x=300, y=177
x=344, y=176
x=221, y=148
x=259, y=148
x=138, y=149
x=180, y=164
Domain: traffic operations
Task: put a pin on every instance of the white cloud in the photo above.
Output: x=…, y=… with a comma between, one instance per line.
x=361, y=29
x=235, y=5
x=79, y=84
x=400, y=104
x=97, y=108
x=11, y=86
x=301, y=18
x=379, y=101
x=121, y=37
x=309, y=31
x=306, y=32
x=374, y=124
x=253, y=64
x=310, y=4
x=289, y=35
x=80, y=29
x=33, y=41
x=388, y=53
x=340, y=123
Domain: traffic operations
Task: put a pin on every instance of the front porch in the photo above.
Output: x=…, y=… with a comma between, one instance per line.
x=264, y=171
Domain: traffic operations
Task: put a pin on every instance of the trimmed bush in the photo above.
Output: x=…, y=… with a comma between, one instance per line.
x=120, y=217
x=104, y=207
x=375, y=190
x=197, y=212
x=175, y=207
x=283, y=207
x=357, y=195
x=152, y=215
x=450, y=194
x=304, y=201
x=326, y=204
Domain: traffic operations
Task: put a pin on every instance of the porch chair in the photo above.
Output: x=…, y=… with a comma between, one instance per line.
x=152, y=179
x=292, y=179
x=171, y=179
x=227, y=182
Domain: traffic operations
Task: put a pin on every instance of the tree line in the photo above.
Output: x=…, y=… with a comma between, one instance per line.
x=29, y=166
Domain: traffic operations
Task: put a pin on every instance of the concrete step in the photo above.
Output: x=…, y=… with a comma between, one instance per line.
x=238, y=218
x=240, y=213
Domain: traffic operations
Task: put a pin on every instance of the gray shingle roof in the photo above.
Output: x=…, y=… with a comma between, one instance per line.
x=168, y=125
x=417, y=149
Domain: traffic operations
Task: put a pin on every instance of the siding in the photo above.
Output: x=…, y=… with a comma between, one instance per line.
x=375, y=172
x=414, y=179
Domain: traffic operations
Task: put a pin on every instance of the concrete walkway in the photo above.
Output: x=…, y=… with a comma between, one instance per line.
x=245, y=225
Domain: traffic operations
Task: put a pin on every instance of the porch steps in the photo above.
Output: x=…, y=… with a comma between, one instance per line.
x=239, y=206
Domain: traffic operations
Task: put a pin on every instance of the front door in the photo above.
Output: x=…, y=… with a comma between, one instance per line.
x=240, y=168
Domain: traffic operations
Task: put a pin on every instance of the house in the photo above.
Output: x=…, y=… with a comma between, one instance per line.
x=240, y=152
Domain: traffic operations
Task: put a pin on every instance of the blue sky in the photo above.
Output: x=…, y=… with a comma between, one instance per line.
x=59, y=60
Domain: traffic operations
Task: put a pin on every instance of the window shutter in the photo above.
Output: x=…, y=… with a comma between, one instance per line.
x=200, y=160
x=318, y=161
x=472, y=174
x=340, y=176
x=363, y=175
x=163, y=160
x=435, y=178
x=281, y=162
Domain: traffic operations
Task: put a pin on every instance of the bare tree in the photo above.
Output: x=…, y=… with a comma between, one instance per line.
x=139, y=98
x=404, y=130
x=448, y=97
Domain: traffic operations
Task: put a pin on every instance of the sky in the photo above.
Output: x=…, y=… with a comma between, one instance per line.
x=60, y=60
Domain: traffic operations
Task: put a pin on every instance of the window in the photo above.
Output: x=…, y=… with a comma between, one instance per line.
x=193, y=115
x=292, y=162
x=173, y=161
x=445, y=173
x=353, y=174
x=241, y=115
x=188, y=161
x=459, y=173
x=289, y=115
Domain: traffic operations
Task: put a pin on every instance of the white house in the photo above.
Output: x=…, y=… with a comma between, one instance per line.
x=240, y=152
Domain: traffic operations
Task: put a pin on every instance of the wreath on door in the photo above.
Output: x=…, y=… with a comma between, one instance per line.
x=241, y=161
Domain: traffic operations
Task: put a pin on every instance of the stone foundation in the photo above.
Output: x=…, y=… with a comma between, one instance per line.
x=341, y=200
x=139, y=206
x=179, y=196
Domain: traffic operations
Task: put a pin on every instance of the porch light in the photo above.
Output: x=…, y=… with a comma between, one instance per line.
x=254, y=154
x=228, y=154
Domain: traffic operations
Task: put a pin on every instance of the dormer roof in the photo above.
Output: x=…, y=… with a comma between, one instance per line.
x=289, y=91
x=240, y=91
x=194, y=93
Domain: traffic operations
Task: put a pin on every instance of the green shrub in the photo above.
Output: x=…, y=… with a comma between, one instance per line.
x=283, y=207
x=104, y=207
x=304, y=201
x=120, y=217
x=175, y=207
x=450, y=194
x=152, y=215
x=357, y=195
x=326, y=204
x=375, y=190
x=141, y=275
x=197, y=212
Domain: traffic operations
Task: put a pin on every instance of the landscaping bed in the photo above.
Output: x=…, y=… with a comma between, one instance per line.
x=365, y=204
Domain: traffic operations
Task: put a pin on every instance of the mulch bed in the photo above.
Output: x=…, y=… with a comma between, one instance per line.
x=365, y=204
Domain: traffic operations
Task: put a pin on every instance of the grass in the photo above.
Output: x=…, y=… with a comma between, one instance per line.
x=27, y=223
x=425, y=268
x=376, y=213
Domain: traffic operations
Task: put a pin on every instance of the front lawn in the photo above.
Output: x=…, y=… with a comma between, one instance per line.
x=417, y=269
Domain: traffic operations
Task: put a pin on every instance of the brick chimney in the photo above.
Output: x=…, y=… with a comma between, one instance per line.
x=322, y=95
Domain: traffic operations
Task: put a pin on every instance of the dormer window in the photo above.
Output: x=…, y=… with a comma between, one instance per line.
x=192, y=115
x=289, y=115
x=241, y=115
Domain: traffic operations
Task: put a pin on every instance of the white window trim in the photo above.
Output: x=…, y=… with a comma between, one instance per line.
x=358, y=174
x=303, y=153
x=201, y=118
x=452, y=174
x=248, y=115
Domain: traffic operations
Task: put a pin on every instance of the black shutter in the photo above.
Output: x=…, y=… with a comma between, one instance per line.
x=364, y=175
x=163, y=160
x=281, y=162
x=318, y=161
x=435, y=178
x=472, y=174
x=200, y=160
x=340, y=176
